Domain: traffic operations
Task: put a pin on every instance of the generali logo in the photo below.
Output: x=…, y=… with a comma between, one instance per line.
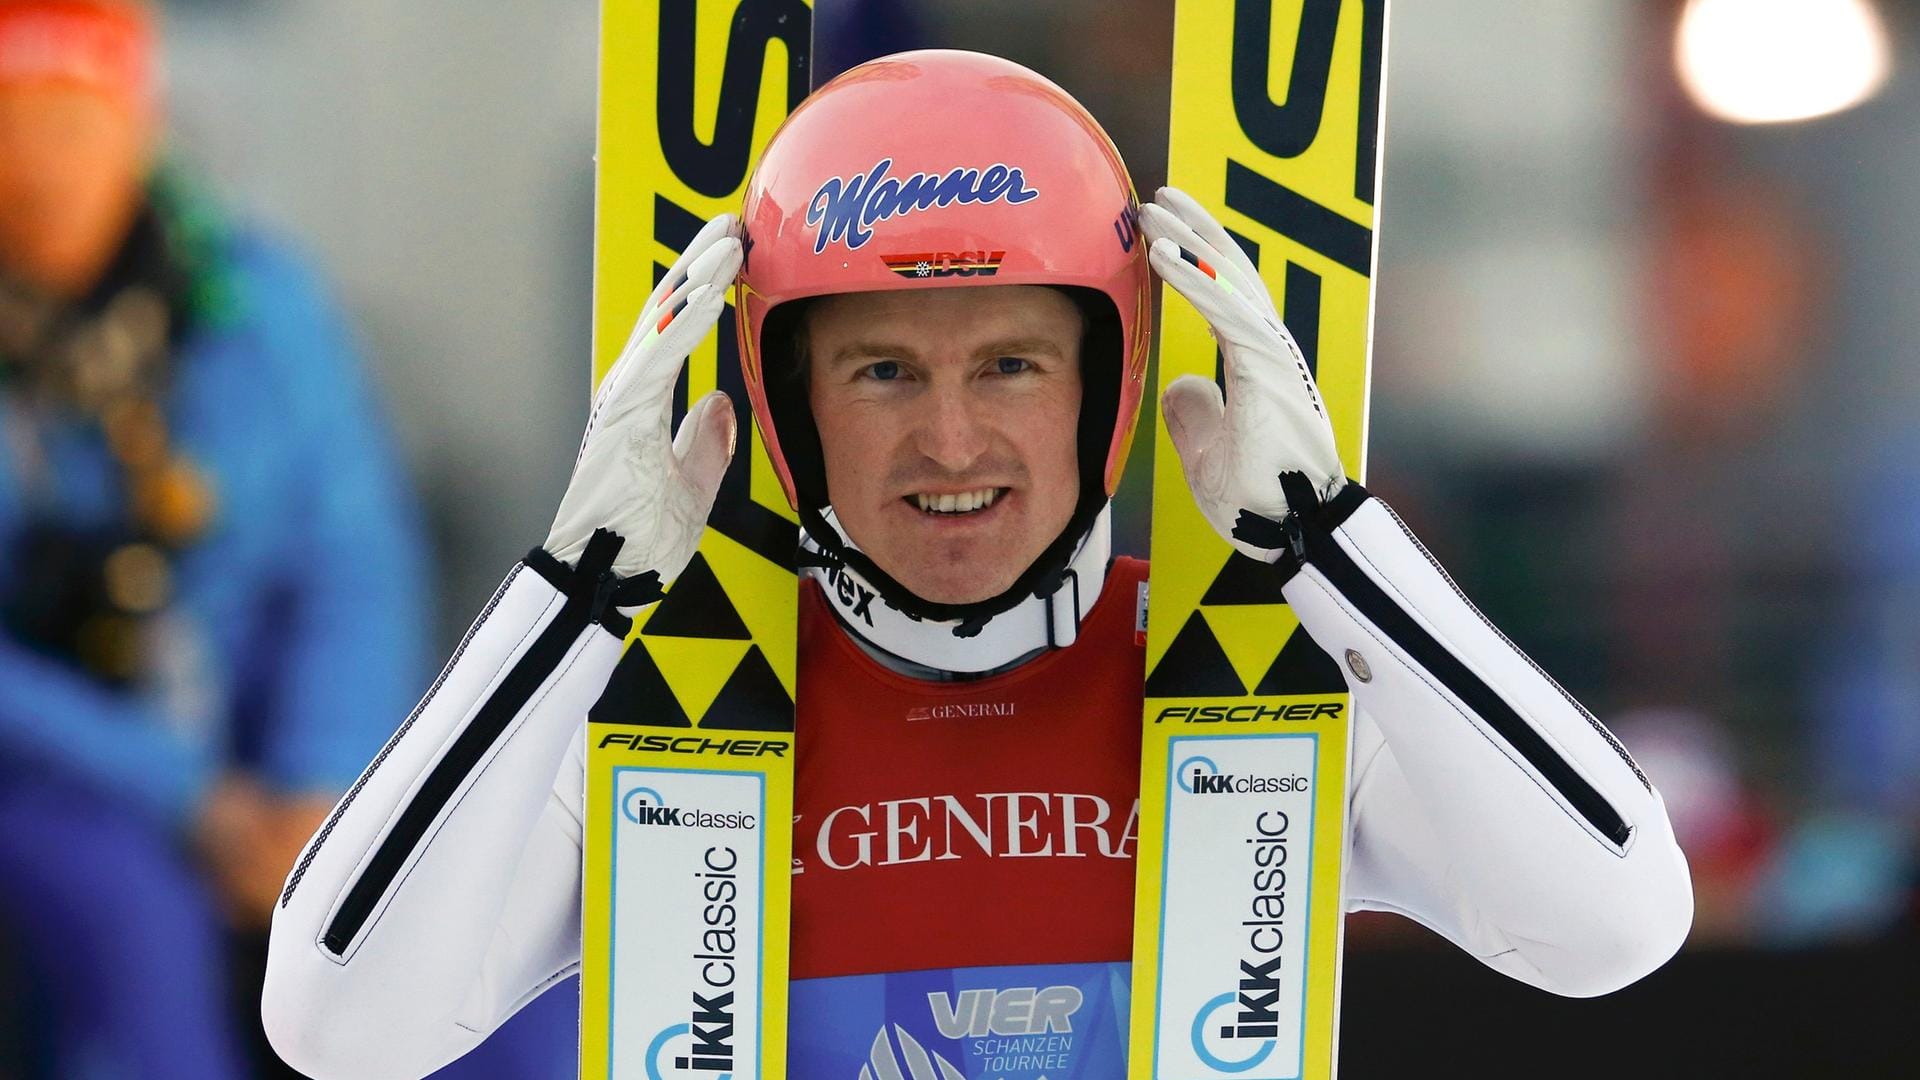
x=989, y=825
x=960, y=711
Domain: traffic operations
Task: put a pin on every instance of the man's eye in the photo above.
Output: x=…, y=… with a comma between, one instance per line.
x=1013, y=365
x=884, y=370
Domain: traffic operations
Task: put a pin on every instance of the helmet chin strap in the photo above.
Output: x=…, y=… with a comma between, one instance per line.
x=1033, y=622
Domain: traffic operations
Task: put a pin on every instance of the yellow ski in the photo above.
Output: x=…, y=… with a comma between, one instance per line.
x=1237, y=919
x=690, y=754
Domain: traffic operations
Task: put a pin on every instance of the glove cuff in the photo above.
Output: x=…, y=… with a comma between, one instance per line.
x=1308, y=510
x=593, y=580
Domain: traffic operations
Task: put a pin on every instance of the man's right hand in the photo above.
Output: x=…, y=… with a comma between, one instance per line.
x=630, y=477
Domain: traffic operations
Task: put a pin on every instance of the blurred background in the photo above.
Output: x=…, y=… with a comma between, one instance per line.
x=1643, y=381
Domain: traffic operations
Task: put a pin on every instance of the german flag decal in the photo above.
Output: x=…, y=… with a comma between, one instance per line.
x=940, y=264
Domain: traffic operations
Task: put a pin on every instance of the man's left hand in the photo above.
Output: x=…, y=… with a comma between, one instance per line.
x=1271, y=419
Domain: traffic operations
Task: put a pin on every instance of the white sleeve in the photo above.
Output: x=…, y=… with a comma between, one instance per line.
x=1488, y=804
x=443, y=892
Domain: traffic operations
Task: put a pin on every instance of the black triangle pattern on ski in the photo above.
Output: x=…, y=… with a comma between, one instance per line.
x=638, y=694
x=1244, y=581
x=1302, y=668
x=697, y=607
x=1194, y=666
x=752, y=699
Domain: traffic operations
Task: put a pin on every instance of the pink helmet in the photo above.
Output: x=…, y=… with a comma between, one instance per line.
x=941, y=169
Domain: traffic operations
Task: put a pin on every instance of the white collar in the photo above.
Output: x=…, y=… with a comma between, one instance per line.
x=1033, y=623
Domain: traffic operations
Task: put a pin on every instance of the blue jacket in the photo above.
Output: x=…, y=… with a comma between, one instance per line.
x=295, y=638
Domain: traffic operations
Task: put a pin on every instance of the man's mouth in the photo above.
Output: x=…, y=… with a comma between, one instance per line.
x=954, y=503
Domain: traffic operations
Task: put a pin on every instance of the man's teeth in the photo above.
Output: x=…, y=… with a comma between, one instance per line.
x=965, y=502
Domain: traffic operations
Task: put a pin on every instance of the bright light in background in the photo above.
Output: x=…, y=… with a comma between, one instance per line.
x=1767, y=61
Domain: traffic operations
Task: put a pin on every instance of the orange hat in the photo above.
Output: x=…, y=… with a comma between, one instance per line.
x=105, y=46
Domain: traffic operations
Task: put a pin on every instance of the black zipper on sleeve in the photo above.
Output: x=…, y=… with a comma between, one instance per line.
x=1327, y=556
x=590, y=589
x=346, y=803
x=1593, y=721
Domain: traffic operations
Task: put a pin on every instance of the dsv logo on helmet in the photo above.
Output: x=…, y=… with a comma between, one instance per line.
x=939, y=264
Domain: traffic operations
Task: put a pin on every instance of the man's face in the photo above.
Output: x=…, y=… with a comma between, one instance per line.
x=71, y=162
x=949, y=398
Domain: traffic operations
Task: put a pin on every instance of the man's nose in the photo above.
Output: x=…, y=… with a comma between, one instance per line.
x=953, y=431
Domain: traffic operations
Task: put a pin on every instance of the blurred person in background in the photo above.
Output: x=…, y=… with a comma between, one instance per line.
x=210, y=585
x=1785, y=638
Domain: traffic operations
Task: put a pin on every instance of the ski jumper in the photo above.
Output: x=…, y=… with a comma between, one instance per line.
x=1458, y=823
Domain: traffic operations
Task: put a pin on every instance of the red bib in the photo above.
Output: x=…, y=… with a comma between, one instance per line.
x=965, y=824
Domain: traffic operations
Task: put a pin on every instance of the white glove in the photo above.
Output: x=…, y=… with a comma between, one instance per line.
x=1272, y=419
x=629, y=478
